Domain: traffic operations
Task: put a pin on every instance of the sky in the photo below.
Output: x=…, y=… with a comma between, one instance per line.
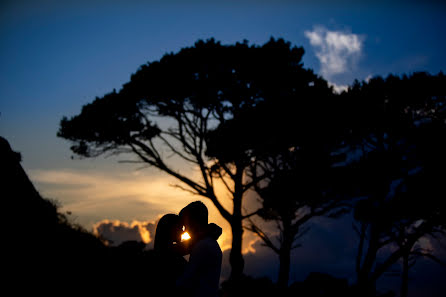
x=56, y=56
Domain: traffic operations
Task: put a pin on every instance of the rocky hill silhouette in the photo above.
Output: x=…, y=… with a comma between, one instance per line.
x=49, y=254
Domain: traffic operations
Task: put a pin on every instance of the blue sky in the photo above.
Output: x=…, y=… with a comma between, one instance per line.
x=56, y=56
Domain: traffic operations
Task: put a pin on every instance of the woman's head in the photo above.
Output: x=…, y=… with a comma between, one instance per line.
x=168, y=231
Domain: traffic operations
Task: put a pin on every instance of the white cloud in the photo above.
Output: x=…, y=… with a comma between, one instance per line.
x=337, y=51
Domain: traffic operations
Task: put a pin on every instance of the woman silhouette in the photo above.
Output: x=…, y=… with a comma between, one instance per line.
x=168, y=260
x=168, y=233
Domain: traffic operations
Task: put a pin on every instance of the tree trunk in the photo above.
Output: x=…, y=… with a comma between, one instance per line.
x=284, y=265
x=236, y=257
x=365, y=284
x=360, y=247
x=285, y=252
x=405, y=275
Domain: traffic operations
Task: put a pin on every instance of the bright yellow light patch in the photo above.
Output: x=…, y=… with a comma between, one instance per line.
x=185, y=236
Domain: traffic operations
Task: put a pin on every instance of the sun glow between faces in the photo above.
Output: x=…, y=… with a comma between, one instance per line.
x=185, y=236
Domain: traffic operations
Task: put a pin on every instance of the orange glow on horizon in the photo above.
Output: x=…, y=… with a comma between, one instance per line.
x=103, y=187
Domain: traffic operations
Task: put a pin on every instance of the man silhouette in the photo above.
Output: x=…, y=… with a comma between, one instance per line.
x=202, y=274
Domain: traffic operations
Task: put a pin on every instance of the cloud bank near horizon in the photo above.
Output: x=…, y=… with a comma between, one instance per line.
x=116, y=232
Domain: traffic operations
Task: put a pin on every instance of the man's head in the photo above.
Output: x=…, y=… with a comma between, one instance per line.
x=194, y=217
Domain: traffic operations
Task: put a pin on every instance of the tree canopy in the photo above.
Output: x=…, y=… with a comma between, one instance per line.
x=253, y=118
x=398, y=129
x=185, y=102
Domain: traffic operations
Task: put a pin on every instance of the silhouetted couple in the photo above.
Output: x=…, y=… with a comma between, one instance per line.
x=201, y=275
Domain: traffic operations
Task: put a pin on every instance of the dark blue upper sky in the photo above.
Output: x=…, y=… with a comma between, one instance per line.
x=56, y=56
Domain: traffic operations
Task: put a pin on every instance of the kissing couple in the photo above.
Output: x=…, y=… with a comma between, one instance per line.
x=200, y=276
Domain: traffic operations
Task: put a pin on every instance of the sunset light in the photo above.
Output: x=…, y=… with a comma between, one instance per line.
x=185, y=236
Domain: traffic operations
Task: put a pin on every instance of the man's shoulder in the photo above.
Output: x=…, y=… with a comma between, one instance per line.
x=208, y=243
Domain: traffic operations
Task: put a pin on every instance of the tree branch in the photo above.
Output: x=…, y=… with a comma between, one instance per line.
x=411, y=240
x=185, y=189
x=255, y=180
x=158, y=163
x=314, y=213
x=224, y=182
x=430, y=256
x=252, y=214
x=178, y=153
x=266, y=241
x=227, y=170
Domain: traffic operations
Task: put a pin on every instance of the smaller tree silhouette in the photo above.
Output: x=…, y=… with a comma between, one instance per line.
x=290, y=142
x=297, y=191
x=398, y=131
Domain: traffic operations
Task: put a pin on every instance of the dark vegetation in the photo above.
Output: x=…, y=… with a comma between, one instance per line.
x=254, y=119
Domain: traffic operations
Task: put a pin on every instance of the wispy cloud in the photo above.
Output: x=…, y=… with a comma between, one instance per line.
x=94, y=195
x=337, y=52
